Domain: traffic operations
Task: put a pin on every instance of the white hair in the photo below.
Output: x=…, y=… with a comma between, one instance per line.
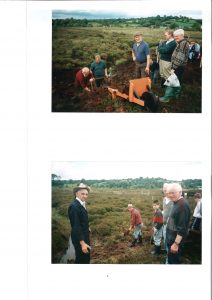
x=174, y=187
x=165, y=185
x=85, y=70
x=179, y=32
x=129, y=205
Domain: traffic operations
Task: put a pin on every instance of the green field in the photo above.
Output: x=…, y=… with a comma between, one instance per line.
x=76, y=47
x=109, y=218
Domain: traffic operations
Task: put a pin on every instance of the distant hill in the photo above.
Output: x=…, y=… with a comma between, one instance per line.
x=141, y=182
x=171, y=22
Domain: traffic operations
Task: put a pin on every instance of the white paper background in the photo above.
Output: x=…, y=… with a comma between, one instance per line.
x=33, y=137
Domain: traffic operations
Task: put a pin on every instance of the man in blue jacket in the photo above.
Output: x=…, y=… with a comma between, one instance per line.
x=80, y=225
x=141, y=56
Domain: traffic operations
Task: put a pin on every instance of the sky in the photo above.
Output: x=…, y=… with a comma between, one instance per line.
x=128, y=9
x=123, y=170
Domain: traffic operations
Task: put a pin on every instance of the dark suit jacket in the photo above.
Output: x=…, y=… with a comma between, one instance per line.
x=79, y=222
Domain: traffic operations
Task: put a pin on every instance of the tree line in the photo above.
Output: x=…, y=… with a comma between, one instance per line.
x=133, y=183
x=158, y=21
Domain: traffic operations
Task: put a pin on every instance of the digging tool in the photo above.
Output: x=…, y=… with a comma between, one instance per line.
x=92, y=89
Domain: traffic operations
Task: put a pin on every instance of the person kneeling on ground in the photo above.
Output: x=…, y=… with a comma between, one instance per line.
x=99, y=69
x=83, y=78
x=157, y=227
x=136, y=225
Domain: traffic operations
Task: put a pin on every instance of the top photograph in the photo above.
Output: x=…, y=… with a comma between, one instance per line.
x=130, y=62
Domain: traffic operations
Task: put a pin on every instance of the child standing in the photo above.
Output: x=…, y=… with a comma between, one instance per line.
x=157, y=227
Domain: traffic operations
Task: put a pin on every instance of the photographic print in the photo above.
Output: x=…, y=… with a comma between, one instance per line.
x=126, y=58
x=137, y=214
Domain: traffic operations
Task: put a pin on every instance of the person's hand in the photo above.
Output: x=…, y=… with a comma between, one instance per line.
x=130, y=228
x=87, y=89
x=85, y=247
x=174, y=248
x=172, y=71
x=134, y=58
x=91, y=80
x=147, y=70
x=154, y=230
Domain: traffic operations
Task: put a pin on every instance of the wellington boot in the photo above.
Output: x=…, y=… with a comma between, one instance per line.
x=169, y=93
x=177, y=92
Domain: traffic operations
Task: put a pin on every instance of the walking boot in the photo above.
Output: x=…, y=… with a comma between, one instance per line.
x=156, y=250
x=169, y=92
x=133, y=243
x=140, y=241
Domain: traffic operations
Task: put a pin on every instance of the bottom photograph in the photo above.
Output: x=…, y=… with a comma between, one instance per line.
x=126, y=212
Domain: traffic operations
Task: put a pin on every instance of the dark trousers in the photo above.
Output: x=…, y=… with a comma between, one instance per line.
x=99, y=81
x=179, y=72
x=81, y=258
x=196, y=223
x=174, y=259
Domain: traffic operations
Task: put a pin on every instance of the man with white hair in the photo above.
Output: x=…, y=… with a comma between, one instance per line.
x=179, y=60
x=135, y=225
x=83, y=78
x=178, y=223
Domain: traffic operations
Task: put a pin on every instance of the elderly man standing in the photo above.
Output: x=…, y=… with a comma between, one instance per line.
x=141, y=56
x=83, y=78
x=79, y=224
x=178, y=223
x=135, y=224
x=179, y=60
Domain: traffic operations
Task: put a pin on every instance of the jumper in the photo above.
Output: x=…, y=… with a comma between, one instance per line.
x=141, y=51
x=81, y=80
x=166, y=50
x=180, y=55
x=158, y=219
x=98, y=69
x=135, y=217
x=178, y=222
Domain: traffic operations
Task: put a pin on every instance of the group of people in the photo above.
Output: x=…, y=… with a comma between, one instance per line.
x=171, y=224
x=97, y=73
x=172, y=54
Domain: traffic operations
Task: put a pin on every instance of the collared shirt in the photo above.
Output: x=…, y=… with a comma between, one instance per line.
x=197, y=210
x=170, y=40
x=81, y=202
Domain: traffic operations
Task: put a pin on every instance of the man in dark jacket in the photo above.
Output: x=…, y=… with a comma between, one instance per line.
x=80, y=225
x=165, y=49
x=178, y=223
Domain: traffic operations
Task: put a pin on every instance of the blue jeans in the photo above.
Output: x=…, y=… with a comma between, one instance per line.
x=158, y=236
x=137, y=231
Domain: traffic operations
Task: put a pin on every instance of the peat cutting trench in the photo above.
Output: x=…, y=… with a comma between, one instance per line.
x=64, y=98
